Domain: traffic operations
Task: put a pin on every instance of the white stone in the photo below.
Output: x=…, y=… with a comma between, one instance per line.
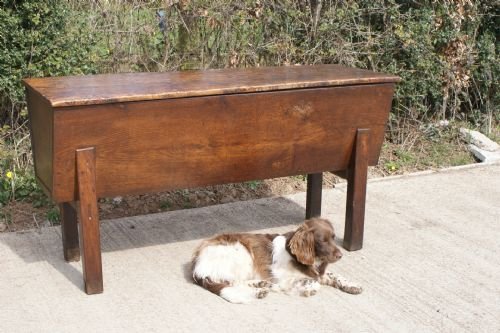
x=117, y=200
x=479, y=140
x=484, y=155
x=443, y=123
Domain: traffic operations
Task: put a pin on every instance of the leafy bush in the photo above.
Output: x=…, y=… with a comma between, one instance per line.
x=37, y=38
x=445, y=51
x=40, y=38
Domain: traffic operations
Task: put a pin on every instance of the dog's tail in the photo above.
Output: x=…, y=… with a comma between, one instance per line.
x=208, y=284
x=241, y=293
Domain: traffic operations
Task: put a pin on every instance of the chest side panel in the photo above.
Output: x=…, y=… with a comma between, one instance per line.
x=41, y=131
x=187, y=142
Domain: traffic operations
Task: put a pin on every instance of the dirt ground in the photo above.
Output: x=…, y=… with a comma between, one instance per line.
x=23, y=216
x=394, y=159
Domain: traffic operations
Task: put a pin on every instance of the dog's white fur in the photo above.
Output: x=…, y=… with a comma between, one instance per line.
x=285, y=274
x=225, y=263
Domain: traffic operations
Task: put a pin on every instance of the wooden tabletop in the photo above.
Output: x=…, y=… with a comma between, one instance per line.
x=111, y=88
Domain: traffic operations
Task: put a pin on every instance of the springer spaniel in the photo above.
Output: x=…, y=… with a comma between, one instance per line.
x=242, y=267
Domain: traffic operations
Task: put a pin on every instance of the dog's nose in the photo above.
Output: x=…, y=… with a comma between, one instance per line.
x=338, y=255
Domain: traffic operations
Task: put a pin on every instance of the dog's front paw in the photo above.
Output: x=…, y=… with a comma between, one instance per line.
x=261, y=284
x=352, y=289
x=262, y=292
x=341, y=283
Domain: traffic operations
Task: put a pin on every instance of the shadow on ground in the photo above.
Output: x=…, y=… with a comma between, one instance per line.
x=158, y=229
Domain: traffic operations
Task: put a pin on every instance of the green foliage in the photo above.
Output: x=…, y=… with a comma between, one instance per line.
x=253, y=184
x=20, y=186
x=53, y=215
x=37, y=38
x=445, y=51
x=40, y=38
x=431, y=146
x=165, y=205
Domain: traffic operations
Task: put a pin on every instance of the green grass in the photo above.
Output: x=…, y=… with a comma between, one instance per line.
x=253, y=184
x=165, y=205
x=432, y=147
x=53, y=215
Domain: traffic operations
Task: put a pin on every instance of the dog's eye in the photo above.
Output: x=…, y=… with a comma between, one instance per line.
x=333, y=236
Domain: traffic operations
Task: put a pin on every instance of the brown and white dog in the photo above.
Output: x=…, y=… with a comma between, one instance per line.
x=242, y=267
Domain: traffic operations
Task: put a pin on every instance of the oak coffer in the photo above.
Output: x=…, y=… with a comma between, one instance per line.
x=106, y=135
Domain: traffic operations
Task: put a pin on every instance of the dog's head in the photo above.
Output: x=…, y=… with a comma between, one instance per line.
x=313, y=242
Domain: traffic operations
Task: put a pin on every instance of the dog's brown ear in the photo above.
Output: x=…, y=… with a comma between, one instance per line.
x=302, y=245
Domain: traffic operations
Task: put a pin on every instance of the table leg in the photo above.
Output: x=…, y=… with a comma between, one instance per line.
x=89, y=221
x=357, y=174
x=313, y=199
x=69, y=231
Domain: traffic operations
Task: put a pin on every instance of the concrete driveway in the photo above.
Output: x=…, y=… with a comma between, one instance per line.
x=430, y=263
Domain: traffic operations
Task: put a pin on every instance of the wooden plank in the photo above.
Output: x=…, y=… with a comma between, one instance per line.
x=41, y=130
x=179, y=143
x=69, y=231
x=89, y=221
x=313, y=198
x=112, y=88
x=357, y=176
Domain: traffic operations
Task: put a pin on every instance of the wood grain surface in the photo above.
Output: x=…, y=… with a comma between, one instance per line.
x=179, y=143
x=112, y=88
x=69, y=232
x=106, y=135
x=357, y=175
x=41, y=130
x=90, y=238
x=313, y=197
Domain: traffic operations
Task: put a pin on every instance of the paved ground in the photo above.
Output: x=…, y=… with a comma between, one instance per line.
x=430, y=263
